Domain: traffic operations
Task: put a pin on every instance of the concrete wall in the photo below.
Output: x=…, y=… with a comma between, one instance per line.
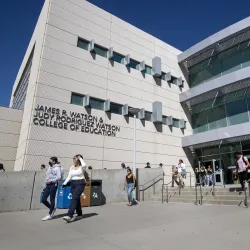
x=10, y=125
x=22, y=190
x=16, y=191
x=64, y=68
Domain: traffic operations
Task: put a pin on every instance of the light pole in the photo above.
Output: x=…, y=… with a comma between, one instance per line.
x=134, y=111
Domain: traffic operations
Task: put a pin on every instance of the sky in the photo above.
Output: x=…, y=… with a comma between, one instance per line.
x=180, y=23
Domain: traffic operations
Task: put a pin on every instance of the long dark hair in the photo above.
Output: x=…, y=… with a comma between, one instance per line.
x=76, y=156
x=54, y=159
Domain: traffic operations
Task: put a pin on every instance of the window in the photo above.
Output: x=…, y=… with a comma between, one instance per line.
x=164, y=119
x=133, y=64
x=148, y=70
x=237, y=112
x=101, y=51
x=216, y=117
x=199, y=122
x=83, y=44
x=115, y=108
x=173, y=80
x=77, y=99
x=176, y=123
x=118, y=58
x=148, y=116
x=96, y=103
x=228, y=61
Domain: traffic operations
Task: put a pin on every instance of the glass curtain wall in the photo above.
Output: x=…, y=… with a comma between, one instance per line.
x=228, y=61
x=223, y=111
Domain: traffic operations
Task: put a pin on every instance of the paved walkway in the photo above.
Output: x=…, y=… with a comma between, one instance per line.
x=148, y=226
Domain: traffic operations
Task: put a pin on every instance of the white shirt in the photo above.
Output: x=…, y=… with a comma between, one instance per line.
x=181, y=167
x=76, y=174
x=242, y=164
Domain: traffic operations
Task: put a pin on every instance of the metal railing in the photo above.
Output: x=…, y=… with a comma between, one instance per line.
x=152, y=182
x=245, y=192
x=167, y=196
x=213, y=187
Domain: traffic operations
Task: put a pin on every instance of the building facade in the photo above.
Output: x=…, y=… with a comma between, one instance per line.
x=218, y=102
x=83, y=71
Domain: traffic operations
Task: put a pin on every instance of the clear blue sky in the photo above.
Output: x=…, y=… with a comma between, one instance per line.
x=180, y=23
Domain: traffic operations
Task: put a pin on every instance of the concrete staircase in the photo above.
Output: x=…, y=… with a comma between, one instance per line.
x=223, y=196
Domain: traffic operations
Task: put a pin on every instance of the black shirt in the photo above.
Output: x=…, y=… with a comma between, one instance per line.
x=130, y=179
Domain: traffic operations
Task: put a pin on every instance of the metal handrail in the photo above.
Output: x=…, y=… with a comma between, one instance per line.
x=162, y=175
x=167, y=191
x=199, y=184
x=153, y=184
x=245, y=192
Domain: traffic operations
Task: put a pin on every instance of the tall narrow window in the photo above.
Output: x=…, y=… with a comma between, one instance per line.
x=148, y=116
x=83, y=44
x=77, y=99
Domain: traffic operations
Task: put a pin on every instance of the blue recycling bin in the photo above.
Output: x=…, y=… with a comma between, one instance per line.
x=64, y=197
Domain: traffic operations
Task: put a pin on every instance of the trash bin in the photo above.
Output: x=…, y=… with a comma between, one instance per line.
x=96, y=193
x=64, y=197
x=85, y=200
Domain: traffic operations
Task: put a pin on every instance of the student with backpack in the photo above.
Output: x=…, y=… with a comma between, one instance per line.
x=53, y=177
x=242, y=165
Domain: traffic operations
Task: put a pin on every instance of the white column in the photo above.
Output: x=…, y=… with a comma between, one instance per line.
x=134, y=153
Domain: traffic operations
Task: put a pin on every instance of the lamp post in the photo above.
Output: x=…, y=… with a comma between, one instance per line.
x=134, y=111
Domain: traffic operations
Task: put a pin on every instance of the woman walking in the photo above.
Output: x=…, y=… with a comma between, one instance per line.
x=53, y=176
x=78, y=182
x=129, y=185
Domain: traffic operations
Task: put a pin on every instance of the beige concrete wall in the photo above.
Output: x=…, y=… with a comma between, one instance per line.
x=10, y=125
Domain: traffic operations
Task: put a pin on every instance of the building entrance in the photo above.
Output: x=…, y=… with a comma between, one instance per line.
x=216, y=165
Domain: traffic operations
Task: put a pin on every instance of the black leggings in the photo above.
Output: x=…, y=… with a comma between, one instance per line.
x=242, y=178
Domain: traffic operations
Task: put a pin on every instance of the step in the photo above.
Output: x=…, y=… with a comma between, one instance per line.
x=212, y=202
x=217, y=193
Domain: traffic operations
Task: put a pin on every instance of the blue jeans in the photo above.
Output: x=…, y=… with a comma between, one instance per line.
x=209, y=179
x=130, y=188
x=50, y=191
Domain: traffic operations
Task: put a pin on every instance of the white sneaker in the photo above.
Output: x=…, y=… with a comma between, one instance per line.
x=68, y=219
x=53, y=212
x=48, y=217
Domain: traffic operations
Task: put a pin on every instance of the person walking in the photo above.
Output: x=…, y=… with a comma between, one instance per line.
x=180, y=167
x=242, y=165
x=209, y=176
x=174, y=176
x=2, y=168
x=129, y=185
x=148, y=165
x=77, y=184
x=53, y=176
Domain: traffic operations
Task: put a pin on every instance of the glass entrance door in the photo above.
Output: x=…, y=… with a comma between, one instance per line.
x=218, y=172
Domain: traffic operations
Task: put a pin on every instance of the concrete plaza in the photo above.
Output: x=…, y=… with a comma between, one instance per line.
x=147, y=226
